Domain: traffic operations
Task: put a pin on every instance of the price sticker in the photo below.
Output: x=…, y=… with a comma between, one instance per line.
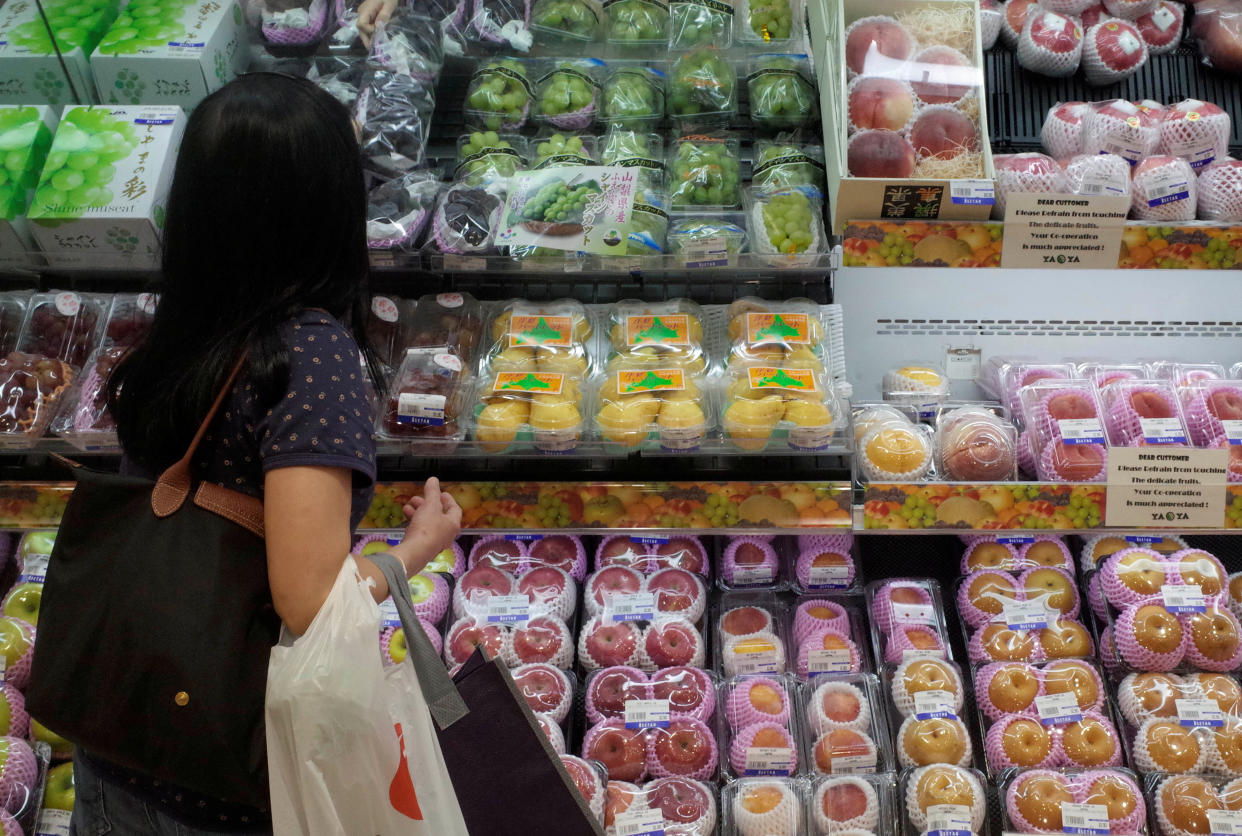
x=1084, y=819
x=649, y=541
x=508, y=609
x=753, y=575
x=1199, y=713
x=829, y=577
x=53, y=822
x=639, y=823
x=847, y=764
x=1233, y=431
x=828, y=661
x=1143, y=539
x=1183, y=599
x=421, y=410
x=1225, y=822
x=388, y=614
x=1025, y=615
x=934, y=703
x=706, y=252
x=911, y=653
x=1081, y=431
x=1163, y=430
x=1015, y=539
x=34, y=569
x=914, y=614
x=1058, y=709
x=756, y=661
x=646, y=714
x=963, y=363
x=630, y=606
x=769, y=760
x=972, y=192
x=949, y=820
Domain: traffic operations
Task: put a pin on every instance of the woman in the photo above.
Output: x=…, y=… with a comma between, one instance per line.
x=264, y=254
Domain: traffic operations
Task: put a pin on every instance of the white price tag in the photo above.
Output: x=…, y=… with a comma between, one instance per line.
x=828, y=661
x=465, y=263
x=630, y=606
x=639, y=823
x=914, y=614
x=1181, y=599
x=1233, y=431
x=768, y=760
x=753, y=575
x=972, y=192
x=828, y=577
x=1081, y=431
x=1225, y=822
x=1104, y=182
x=935, y=703
x=1058, y=709
x=1084, y=819
x=388, y=614
x=1167, y=185
x=949, y=820
x=646, y=714
x=34, y=569
x=852, y=763
x=705, y=252
x=756, y=661
x=1163, y=430
x=1025, y=615
x=1199, y=713
x=53, y=822
x=911, y=653
x=421, y=410
x=963, y=363
x=508, y=609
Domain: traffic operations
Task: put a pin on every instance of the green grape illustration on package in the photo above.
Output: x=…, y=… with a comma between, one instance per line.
x=82, y=163
x=127, y=88
x=120, y=238
x=558, y=201
x=24, y=144
x=145, y=24
x=77, y=24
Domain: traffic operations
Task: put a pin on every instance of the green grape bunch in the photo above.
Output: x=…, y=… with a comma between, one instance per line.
x=76, y=24
x=558, y=202
x=788, y=165
x=560, y=150
x=571, y=19
x=705, y=173
x=486, y=155
x=721, y=511
x=771, y=20
x=499, y=96
x=701, y=23
x=145, y=24
x=24, y=144
x=634, y=95
x=82, y=163
x=788, y=221
x=780, y=97
x=623, y=144
x=637, y=22
x=566, y=98
x=703, y=83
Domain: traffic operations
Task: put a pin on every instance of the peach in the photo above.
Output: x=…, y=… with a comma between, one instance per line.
x=1078, y=462
x=1069, y=406
x=880, y=154
x=759, y=799
x=1015, y=15
x=844, y=801
x=943, y=133
x=748, y=554
x=1150, y=404
x=1225, y=404
x=881, y=103
x=770, y=738
x=868, y=39
x=939, y=82
x=743, y=621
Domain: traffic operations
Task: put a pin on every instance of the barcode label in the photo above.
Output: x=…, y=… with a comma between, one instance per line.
x=972, y=192
x=828, y=577
x=639, y=823
x=646, y=714
x=1163, y=430
x=949, y=820
x=935, y=703
x=767, y=760
x=630, y=606
x=508, y=609
x=1225, y=822
x=649, y=541
x=1081, y=431
x=34, y=569
x=847, y=764
x=1182, y=599
x=1199, y=713
x=828, y=661
x=1084, y=819
x=1166, y=186
x=706, y=252
x=1099, y=183
x=763, y=661
x=1058, y=709
x=914, y=613
x=1015, y=539
x=911, y=653
x=1233, y=431
x=753, y=575
x=421, y=410
x=53, y=823
x=1121, y=148
x=388, y=614
x=1143, y=539
x=1025, y=615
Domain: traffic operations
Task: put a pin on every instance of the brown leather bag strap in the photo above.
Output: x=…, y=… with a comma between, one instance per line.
x=173, y=486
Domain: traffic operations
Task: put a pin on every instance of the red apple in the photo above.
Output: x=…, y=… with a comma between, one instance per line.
x=676, y=590
x=622, y=751
x=866, y=42
x=1056, y=32
x=683, y=748
x=621, y=552
x=1225, y=404
x=1015, y=16
x=1150, y=404
x=673, y=643
x=1070, y=406
x=681, y=553
x=586, y=779
x=612, y=688
x=1218, y=26
x=682, y=687
x=540, y=640
x=611, y=644
x=1093, y=15
x=944, y=133
x=612, y=580
x=499, y=554
x=1162, y=29
x=543, y=686
x=543, y=585
x=680, y=800
x=555, y=550
x=469, y=634
x=485, y=581
x=881, y=154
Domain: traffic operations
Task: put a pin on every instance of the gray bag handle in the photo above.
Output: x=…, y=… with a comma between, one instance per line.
x=443, y=699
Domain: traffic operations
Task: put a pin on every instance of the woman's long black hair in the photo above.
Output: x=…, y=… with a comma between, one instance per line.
x=266, y=217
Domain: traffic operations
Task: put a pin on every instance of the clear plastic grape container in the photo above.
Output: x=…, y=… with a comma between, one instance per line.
x=763, y=726
x=426, y=399
x=788, y=406
x=487, y=156
x=451, y=319
x=13, y=304
x=788, y=164
x=386, y=328
x=1064, y=419
x=702, y=89
x=750, y=634
x=64, y=325
x=634, y=95
x=567, y=92
x=772, y=24
x=637, y=24
x=707, y=239
x=648, y=235
x=829, y=635
x=787, y=225
x=556, y=149
x=974, y=444
x=761, y=806
x=853, y=804
x=698, y=23
x=781, y=87
x=499, y=95
x=943, y=797
x=704, y=172
x=846, y=731
x=566, y=23
x=907, y=620
x=1074, y=801
x=636, y=148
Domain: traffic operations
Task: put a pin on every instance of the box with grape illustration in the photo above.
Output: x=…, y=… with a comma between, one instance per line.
x=25, y=139
x=170, y=52
x=31, y=70
x=101, y=197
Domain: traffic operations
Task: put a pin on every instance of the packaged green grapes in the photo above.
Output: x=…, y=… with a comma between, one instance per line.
x=553, y=149
x=779, y=162
x=702, y=89
x=499, y=95
x=566, y=92
x=566, y=22
x=704, y=172
x=102, y=194
x=707, y=239
x=787, y=222
x=639, y=150
x=782, y=91
x=775, y=24
x=170, y=52
x=485, y=157
x=56, y=70
x=634, y=97
x=696, y=23
x=637, y=24
x=25, y=139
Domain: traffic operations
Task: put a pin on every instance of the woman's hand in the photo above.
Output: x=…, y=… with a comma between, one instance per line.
x=370, y=13
x=435, y=522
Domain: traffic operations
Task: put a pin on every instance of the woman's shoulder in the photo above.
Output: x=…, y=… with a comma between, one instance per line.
x=318, y=334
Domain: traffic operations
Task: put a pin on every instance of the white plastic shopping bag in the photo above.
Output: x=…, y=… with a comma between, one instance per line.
x=351, y=747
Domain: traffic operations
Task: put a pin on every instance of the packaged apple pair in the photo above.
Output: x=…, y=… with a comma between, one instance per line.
x=652, y=553
x=788, y=405
x=672, y=805
x=974, y=444
x=1188, y=723
x=647, y=405
x=943, y=798
x=829, y=636
x=1182, y=804
x=826, y=563
x=86, y=422
x=907, y=620
x=623, y=593
x=430, y=593
x=1074, y=801
x=762, y=725
x=1046, y=716
x=522, y=554
x=783, y=162
x=650, y=741
x=491, y=610
x=628, y=628
x=844, y=727
x=427, y=401
x=782, y=90
x=751, y=636
x=1064, y=419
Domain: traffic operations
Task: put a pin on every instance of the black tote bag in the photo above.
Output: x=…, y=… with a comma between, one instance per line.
x=155, y=628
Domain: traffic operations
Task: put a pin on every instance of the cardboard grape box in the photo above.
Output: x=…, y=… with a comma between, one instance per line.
x=921, y=196
x=170, y=52
x=101, y=197
x=30, y=68
x=25, y=139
